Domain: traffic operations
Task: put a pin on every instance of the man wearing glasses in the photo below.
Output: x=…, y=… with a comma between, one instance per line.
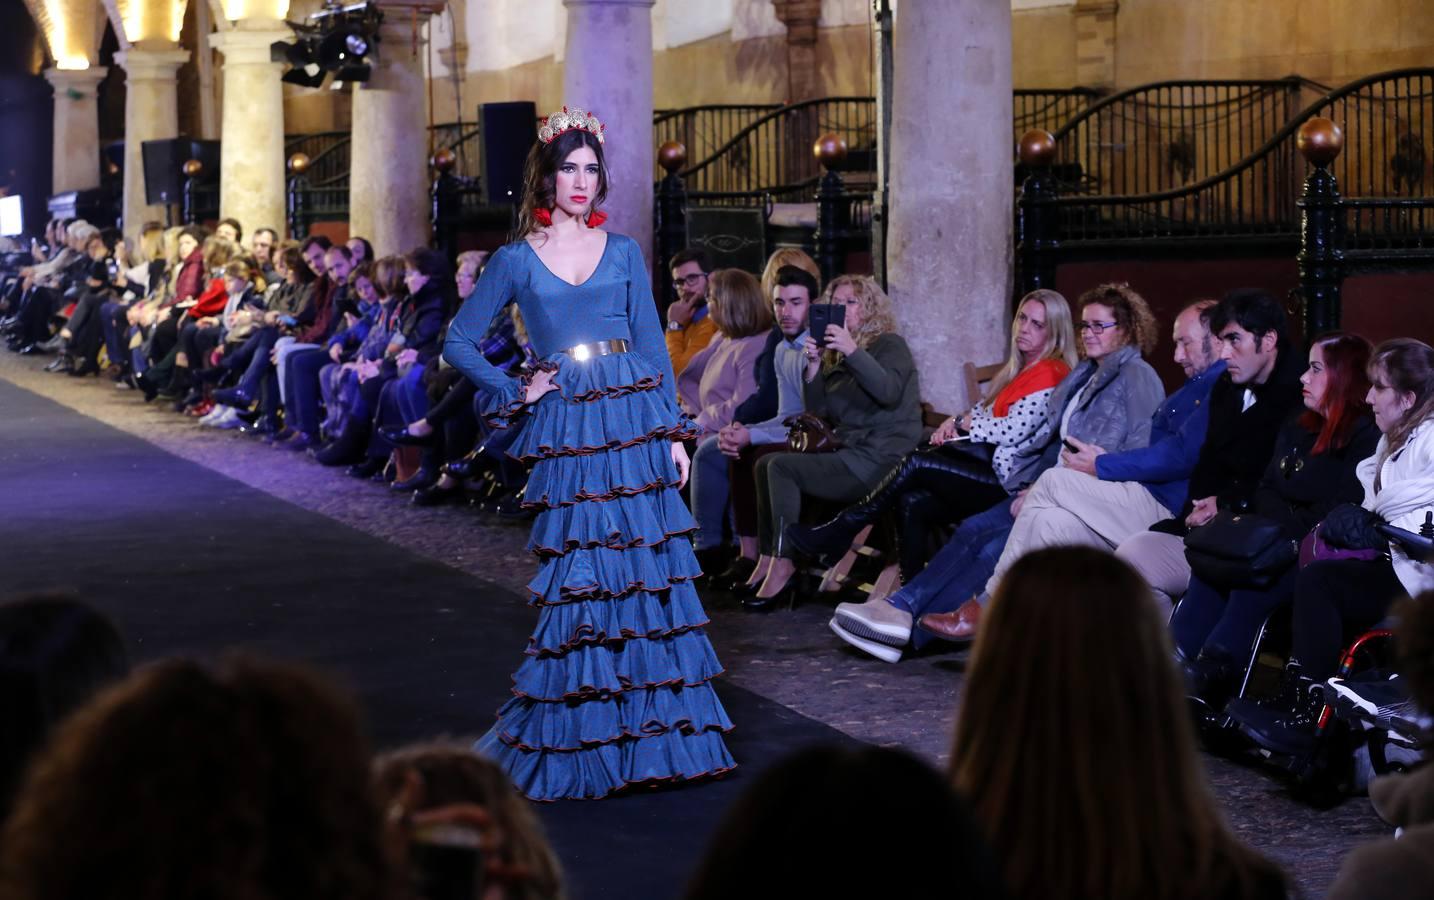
x=689, y=327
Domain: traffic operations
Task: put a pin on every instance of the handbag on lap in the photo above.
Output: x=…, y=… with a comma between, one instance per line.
x=1240, y=550
x=810, y=433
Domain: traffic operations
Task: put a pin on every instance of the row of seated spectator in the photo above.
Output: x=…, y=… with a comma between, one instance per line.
x=179, y=778
x=308, y=346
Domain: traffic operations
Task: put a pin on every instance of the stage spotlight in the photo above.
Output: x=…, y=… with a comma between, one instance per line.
x=303, y=59
x=341, y=39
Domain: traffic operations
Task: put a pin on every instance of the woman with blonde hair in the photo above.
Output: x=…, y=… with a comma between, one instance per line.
x=787, y=256
x=1075, y=749
x=862, y=380
x=964, y=469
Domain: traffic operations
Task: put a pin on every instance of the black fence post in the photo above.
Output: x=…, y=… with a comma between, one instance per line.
x=1322, y=228
x=445, y=197
x=189, y=206
x=670, y=222
x=1036, y=238
x=298, y=196
x=830, y=150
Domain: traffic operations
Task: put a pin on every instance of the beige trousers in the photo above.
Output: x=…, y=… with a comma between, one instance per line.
x=1065, y=507
x=1160, y=560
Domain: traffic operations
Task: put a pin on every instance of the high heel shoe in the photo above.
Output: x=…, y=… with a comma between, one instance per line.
x=786, y=597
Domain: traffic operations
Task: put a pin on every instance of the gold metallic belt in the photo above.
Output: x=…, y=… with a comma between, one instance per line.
x=597, y=348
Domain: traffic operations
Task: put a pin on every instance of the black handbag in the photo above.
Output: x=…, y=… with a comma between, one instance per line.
x=1240, y=550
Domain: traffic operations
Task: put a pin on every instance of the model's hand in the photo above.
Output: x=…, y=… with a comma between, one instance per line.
x=1084, y=459
x=541, y=383
x=679, y=458
x=1204, y=510
x=840, y=340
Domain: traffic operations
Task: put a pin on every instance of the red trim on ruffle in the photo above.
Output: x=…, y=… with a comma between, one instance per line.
x=585, y=497
x=566, y=596
x=596, y=694
x=665, y=432
x=648, y=783
x=510, y=740
x=571, y=546
x=645, y=383
x=593, y=639
x=502, y=417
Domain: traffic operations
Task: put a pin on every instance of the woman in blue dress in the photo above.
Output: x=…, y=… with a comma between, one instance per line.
x=616, y=688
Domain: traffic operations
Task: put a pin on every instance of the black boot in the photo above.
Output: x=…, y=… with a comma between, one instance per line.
x=1211, y=677
x=347, y=449
x=827, y=542
x=1287, y=723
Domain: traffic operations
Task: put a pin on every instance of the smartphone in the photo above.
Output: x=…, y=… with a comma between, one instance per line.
x=1069, y=446
x=288, y=321
x=823, y=314
x=446, y=862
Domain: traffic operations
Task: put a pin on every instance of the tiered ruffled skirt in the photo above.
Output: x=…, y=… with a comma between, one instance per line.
x=616, y=689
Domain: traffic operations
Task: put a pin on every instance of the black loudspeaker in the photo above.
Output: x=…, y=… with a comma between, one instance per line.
x=507, y=131
x=164, y=167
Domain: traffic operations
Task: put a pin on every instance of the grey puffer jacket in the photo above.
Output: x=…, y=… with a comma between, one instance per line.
x=1115, y=414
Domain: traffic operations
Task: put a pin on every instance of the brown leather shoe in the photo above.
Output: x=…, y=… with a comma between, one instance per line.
x=957, y=627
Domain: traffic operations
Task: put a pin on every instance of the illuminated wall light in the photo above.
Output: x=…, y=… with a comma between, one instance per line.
x=235, y=10
x=63, y=29
x=145, y=20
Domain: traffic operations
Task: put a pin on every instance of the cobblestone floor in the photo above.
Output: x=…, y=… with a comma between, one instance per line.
x=789, y=657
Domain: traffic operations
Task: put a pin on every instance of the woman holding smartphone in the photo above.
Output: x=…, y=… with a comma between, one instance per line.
x=863, y=381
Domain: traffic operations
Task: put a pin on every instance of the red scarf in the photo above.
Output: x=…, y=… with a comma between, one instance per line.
x=1041, y=376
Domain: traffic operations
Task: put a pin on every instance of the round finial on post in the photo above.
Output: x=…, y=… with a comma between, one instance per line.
x=193, y=167
x=1320, y=141
x=1037, y=148
x=671, y=155
x=443, y=161
x=112, y=168
x=299, y=163
x=829, y=150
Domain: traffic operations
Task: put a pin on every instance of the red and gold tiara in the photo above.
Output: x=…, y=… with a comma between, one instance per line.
x=574, y=119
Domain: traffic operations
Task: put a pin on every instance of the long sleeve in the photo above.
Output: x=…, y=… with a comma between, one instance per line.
x=788, y=368
x=740, y=373
x=883, y=370
x=494, y=290
x=686, y=343
x=689, y=380
x=1020, y=424
x=1171, y=459
x=642, y=318
x=762, y=405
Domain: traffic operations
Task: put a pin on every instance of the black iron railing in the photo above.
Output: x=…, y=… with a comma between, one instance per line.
x=1048, y=108
x=704, y=130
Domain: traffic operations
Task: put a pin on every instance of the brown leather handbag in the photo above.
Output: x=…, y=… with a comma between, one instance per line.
x=810, y=433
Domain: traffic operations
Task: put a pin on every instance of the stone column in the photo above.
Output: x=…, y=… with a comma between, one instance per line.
x=801, y=18
x=949, y=245
x=151, y=113
x=251, y=175
x=77, y=128
x=607, y=70
x=388, y=174
x=1095, y=42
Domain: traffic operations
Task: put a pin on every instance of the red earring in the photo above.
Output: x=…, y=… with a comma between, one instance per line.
x=596, y=218
x=543, y=216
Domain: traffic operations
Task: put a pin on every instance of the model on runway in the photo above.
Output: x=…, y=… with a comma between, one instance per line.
x=616, y=687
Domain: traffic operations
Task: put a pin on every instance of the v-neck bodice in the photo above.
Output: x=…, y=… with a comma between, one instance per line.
x=601, y=256
x=614, y=302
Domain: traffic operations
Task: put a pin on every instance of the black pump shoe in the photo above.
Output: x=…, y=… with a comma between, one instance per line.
x=786, y=597
x=423, y=478
x=399, y=435
x=370, y=467
x=734, y=576
x=433, y=495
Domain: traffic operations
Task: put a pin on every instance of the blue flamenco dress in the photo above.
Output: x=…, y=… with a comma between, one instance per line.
x=616, y=687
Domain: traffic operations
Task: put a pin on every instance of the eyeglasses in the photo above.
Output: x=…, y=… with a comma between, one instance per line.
x=1096, y=328
x=690, y=280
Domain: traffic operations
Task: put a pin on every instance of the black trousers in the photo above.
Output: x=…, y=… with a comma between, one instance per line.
x=1335, y=600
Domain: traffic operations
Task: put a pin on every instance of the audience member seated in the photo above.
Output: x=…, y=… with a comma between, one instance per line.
x=1073, y=747
x=55, y=653
x=723, y=375
x=689, y=327
x=1312, y=471
x=1336, y=599
x=1248, y=405
x=144, y=278
x=264, y=246
x=965, y=470
x=311, y=338
x=723, y=466
x=427, y=789
x=1108, y=400
x=241, y=314
x=1397, y=868
x=251, y=779
x=862, y=382
x=777, y=839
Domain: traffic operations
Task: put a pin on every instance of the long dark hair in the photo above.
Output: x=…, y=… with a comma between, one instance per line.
x=1346, y=356
x=294, y=261
x=540, y=176
x=1072, y=712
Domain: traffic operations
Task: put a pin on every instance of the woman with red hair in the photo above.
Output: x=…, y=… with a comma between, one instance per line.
x=1311, y=472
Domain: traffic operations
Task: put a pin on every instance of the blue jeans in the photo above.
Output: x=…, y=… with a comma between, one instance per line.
x=711, y=490
x=959, y=570
x=1226, y=622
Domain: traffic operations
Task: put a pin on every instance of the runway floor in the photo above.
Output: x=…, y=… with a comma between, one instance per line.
x=197, y=542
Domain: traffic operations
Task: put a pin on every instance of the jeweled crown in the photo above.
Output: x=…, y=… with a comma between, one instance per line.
x=575, y=119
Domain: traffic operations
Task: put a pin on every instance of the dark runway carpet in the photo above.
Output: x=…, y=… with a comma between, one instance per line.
x=190, y=562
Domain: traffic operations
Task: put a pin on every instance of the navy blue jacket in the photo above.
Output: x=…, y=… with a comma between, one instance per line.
x=762, y=405
x=1177, y=432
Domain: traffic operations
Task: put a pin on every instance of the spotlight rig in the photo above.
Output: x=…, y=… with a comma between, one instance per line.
x=339, y=39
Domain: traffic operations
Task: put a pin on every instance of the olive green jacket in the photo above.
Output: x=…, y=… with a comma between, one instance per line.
x=873, y=399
